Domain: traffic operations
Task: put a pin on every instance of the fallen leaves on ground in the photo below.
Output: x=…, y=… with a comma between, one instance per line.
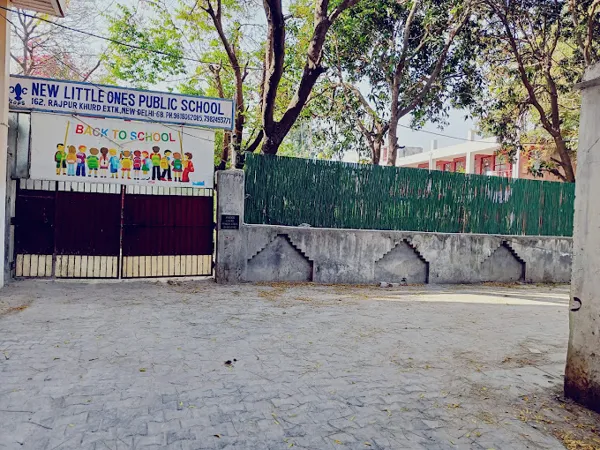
x=15, y=309
x=576, y=427
x=273, y=294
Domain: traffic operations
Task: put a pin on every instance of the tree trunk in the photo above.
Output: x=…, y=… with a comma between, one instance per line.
x=565, y=159
x=392, y=144
x=274, y=61
x=376, y=150
x=240, y=118
x=225, y=155
x=271, y=143
x=394, y=119
x=275, y=131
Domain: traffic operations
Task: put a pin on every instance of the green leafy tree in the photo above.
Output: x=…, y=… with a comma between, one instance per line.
x=324, y=14
x=202, y=40
x=533, y=52
x=144, y=51
x=230, y=21
x=225, y=51
x=395, y=59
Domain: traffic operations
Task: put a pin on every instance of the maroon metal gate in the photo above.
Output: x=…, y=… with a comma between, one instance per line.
x=167, y=235
x=34, y=233
x=87, y=233
x=105, y=231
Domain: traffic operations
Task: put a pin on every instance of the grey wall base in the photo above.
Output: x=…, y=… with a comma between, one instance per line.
x=277, y=253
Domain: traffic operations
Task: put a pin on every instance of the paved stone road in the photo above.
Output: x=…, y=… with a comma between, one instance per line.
x=142, y=366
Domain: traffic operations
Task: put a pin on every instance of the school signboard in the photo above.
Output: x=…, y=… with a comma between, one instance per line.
x=69, y=97
x=85, y=149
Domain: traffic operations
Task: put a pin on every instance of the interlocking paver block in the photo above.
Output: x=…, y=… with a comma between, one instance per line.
x=140, y=365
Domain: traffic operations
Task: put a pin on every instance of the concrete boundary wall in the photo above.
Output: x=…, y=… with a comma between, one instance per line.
x=279, y=253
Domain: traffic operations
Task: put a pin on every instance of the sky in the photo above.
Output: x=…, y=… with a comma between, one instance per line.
x=457, y=127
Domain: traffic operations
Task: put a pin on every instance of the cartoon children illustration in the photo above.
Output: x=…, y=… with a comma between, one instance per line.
x=137, y=164
x=155, y=163
x=114, y=163
x=81, y=161
x=71, y=161
x=146, y=164
x=165, y=165
x=177, y=166
x=126, y=164
x=188, y=167
x=103, y=162
x=92, y=162
x=60, y=158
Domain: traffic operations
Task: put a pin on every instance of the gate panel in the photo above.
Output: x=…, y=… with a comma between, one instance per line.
x=167, y=235
x=34, y=233
x=88, y=227
x=84, y=230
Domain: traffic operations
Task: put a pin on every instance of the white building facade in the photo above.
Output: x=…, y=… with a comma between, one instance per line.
x=472, y=156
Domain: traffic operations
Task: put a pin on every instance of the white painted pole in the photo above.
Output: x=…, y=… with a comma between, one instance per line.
x=4, y=83
x=582, y=374
x=470, y=163
x=516, y=166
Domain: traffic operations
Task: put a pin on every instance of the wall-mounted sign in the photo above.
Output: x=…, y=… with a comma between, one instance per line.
x=74, y=148
x=230, y=222
x=42, y=94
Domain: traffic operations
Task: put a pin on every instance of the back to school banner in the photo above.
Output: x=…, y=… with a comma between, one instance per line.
x=84, y=149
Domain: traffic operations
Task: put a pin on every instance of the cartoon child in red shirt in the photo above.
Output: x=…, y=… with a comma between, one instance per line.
x=188, y=167
x=137, y=164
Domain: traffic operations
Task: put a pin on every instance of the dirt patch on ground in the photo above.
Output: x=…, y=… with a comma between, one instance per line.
x=577, y=427
x=14, y=305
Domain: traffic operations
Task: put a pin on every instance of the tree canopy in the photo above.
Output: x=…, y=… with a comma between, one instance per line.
x=532, y=54
x=394, y=59
x=323, y=77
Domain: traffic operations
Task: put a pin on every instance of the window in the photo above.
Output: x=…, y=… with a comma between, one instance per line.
x=487, y=165
x=460, y=166
x=503, y=166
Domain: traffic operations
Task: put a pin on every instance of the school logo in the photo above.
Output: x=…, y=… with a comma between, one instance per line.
x=18, y=91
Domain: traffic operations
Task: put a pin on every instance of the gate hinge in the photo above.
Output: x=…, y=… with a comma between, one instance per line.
x=13, y=220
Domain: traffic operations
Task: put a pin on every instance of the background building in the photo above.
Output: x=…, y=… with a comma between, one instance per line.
x=478, y=156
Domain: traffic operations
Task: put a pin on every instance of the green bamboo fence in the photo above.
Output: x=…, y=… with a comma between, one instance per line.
x=329, y=194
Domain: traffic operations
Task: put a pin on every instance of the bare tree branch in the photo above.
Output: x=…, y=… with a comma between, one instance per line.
x=92, y=70
x=215, y=13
